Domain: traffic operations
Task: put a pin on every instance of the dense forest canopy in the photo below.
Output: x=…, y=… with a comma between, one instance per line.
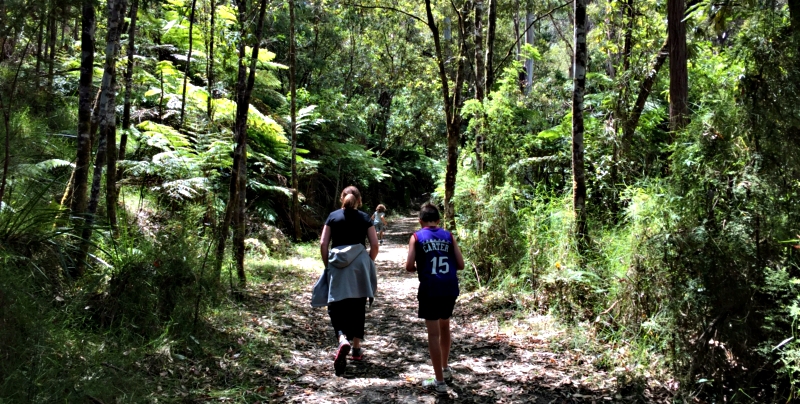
x=631, y=165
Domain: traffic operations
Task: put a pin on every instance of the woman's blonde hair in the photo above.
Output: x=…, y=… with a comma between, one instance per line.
x=351, y=198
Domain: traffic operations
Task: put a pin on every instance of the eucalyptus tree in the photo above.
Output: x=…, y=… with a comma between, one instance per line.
x=131, y=61
x=293, y=122
x=478, y=65
x=452, y=105
x=210, y=58
x=579, y=88
x=80, y=175
x=106, y=145
x=491, y=31
x=188, y=59
x=678, y=71
x=235, y=207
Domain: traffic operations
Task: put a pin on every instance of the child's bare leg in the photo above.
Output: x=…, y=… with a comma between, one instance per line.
x=444, y=341
x=356, y=343
x=434, y=346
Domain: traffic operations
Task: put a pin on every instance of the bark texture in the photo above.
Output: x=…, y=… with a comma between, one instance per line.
x=126, y=108
x=210, y=73
x=491, y=30
x=188, y=61
x=107, y=113
x=529, y=38
x=452, y=106
x=678, y=71
x=480, y=89
x=85, y=101
x=106, y=145
x=480, y=79
x=579, y=86
x=235, y=209
x=293, y=90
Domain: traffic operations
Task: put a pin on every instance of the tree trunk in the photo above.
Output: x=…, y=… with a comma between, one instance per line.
x=108, y=115
x=39, y=53
x=51, y=45
x=619, y=120
x=293, y=123
x=529, y=38
x=240, y=222
x=210, y=73
x=480, y=90
x=126, y=109
x=244, y=88
x=188, y=61
x=794, y=14
x=678, y=72
x=627, y=46
x=452, y=106
x=579, y=86
x=490, y=35
x=85, y=103
x=645, y=87
x=480, y=83
x=516, y=30
x=106, y=145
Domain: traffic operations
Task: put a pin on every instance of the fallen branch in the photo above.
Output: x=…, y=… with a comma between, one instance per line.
x=476, y=275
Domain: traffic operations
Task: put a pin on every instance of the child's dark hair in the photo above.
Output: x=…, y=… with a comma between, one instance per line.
x=429, y=213
x=381, y=208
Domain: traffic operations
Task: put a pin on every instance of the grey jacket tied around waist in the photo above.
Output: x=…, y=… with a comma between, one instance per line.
x=350, y=274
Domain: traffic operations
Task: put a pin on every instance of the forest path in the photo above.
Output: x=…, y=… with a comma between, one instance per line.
x=490, y=366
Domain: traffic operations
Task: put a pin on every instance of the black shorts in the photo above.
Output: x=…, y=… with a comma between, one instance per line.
x=436, y=308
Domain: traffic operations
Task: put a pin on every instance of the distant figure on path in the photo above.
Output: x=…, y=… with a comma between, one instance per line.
x=379, y=220
x=433, y=253
x=350, y=276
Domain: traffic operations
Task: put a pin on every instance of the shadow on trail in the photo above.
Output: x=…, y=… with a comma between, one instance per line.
x=488, y=367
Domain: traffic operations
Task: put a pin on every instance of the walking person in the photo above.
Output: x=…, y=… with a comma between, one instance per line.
x=434, y=254
x=379, y=221
x=350, y=277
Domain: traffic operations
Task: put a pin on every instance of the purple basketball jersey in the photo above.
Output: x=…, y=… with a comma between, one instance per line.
x=436, y=262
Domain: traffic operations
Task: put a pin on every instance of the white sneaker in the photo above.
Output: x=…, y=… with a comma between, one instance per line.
x=434, y=386
x=447, y=373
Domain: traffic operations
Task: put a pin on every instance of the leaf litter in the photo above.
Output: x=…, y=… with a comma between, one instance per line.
x=513, y=363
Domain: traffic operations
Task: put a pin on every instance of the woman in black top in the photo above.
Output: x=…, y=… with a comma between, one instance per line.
x=348, y=226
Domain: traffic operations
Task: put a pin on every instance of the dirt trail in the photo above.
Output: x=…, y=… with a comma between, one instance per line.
x=490, y=367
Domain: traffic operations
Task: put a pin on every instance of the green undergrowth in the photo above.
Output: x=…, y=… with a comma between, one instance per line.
x=92, y=341
x=519, y=246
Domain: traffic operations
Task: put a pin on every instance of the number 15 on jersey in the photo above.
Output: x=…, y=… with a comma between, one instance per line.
x=440, y=265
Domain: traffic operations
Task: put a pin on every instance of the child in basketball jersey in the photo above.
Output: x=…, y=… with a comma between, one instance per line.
x=434, y=254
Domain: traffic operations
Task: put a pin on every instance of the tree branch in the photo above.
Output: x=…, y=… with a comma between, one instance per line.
x=561, y=35
x=522, y=34
x=397, y=10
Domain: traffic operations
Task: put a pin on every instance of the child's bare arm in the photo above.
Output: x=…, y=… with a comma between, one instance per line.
x=412, y=256
x=459, y=257
x=384, y=221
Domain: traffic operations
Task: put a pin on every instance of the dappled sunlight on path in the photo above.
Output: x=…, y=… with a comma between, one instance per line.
x=490, y=365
